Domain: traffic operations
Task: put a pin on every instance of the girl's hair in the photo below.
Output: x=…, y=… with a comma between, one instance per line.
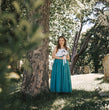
x=58, y=45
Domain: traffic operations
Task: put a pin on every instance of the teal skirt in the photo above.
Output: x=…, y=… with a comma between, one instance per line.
x=60, y=77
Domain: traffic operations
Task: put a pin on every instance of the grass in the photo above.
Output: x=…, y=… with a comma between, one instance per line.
x=77, y=100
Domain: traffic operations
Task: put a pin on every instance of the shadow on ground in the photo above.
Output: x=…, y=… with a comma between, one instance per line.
x=102, y=80
x=77, y=100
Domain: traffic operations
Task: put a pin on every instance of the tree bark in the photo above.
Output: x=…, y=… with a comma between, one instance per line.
x=75, y=55
x=74, y=49
x=37, y=80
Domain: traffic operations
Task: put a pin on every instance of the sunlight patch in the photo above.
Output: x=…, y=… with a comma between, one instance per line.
x=13, y=75
x=0, y=89
x=59, y=103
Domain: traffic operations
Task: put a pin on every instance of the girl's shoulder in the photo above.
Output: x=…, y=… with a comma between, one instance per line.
x=55, y=48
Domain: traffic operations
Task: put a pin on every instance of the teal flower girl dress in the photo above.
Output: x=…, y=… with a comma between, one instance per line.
x=60, y=75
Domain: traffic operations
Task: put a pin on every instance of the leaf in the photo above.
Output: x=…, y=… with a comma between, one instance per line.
x=17, y=7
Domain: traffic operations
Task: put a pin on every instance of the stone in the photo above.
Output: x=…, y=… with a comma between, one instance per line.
x=106, y=67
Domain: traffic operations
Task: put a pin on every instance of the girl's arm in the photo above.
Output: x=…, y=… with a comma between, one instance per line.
x=67, y=56
x=54, y=56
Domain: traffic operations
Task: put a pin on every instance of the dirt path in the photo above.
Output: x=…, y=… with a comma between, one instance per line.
x=89, y=82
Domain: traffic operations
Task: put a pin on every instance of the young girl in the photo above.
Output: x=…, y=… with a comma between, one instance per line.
x=60, y=76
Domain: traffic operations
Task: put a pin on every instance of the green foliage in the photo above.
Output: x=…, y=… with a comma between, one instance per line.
x=97, y=49
x=98, y=44
x=19, y=33
x=66, y=20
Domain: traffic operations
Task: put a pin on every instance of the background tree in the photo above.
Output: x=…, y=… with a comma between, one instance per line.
x=73, y=21
x=98, y=44
x=97, y=49
x=79, y=13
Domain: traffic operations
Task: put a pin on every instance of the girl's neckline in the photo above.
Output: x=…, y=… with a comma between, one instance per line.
x=62, y=48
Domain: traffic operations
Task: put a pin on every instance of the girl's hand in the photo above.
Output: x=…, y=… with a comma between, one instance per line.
x=62, y=58
x=67, y=57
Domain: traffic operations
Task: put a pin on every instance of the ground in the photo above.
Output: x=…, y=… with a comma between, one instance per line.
x=89, y=82
x=83, y=96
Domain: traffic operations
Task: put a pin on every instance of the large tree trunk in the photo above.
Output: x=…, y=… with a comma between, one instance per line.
x=37, y=80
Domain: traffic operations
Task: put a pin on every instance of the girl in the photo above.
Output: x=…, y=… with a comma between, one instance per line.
x=60, y=76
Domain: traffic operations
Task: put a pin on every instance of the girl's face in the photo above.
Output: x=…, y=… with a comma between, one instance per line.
x=61, y=41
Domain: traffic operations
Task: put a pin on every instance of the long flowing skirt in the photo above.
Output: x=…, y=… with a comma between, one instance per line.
x=60, y=77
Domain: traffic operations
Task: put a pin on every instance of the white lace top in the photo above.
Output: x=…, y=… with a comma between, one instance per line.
x=62, y=52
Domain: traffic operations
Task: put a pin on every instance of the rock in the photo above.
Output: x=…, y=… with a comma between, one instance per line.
x=106, y=67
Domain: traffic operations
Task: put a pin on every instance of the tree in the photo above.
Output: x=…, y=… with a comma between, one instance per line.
x=84, y=17
x=36, y=80
x=69, y=19
x=97, y=47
